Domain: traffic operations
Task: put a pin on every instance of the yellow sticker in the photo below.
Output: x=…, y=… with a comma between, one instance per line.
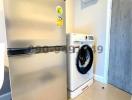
x=59, y=10
x=59, y=21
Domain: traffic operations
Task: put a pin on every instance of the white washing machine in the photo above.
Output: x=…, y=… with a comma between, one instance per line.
x=80, y=63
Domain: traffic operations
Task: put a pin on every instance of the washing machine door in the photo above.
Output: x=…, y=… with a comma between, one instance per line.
x=84, y=59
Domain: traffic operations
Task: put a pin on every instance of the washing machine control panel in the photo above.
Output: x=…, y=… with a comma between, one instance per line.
x=90, y=38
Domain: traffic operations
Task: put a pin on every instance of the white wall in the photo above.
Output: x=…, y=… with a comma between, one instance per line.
x=92, y=20
x=3, y=29
x=69, y=16
x=2, y=44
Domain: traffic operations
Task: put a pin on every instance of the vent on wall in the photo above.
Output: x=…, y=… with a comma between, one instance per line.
x=86, y=3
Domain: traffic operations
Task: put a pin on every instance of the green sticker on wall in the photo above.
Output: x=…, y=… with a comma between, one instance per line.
x=59, y=10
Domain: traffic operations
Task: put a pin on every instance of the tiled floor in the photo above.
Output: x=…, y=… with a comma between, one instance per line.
x=96, y=92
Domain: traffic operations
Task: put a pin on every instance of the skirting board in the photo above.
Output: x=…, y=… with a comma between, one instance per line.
x=100, y=79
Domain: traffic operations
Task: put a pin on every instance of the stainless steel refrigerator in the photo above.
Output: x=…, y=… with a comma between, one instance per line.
x=37, y=49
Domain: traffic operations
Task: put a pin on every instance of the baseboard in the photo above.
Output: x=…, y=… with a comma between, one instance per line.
x=100, y=79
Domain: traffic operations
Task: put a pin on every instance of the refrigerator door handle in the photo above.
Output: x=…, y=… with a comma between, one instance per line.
x=19, y=51
x=35, y=50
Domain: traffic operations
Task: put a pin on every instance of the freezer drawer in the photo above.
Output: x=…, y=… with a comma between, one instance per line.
x=47, y=84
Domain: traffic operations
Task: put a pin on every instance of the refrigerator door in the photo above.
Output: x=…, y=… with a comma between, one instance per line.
x=34, y=23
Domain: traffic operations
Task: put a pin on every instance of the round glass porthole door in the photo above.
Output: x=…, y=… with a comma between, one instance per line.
x=84, y=59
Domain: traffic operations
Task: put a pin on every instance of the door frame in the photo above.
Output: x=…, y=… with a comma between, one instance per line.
x=107, y=45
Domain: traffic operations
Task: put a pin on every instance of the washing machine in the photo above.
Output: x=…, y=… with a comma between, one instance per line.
x=80, y=57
